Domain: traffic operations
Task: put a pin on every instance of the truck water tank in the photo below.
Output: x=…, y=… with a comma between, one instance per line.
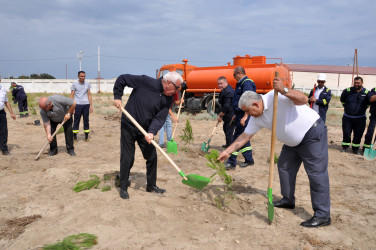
x=205, y=79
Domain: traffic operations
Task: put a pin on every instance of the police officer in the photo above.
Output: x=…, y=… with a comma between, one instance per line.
x=355, y=101
x=226, y=114
x=241, y=118
x=372, y=121
x=321, y=98
x=20, y=97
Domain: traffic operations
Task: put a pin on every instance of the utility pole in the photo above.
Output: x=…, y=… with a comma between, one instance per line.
x=99, y=70
x=79, y=56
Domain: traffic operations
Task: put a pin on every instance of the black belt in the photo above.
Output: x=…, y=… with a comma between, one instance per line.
x=317, y=123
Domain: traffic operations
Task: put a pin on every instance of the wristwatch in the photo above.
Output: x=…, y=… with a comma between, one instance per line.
x=285, y=91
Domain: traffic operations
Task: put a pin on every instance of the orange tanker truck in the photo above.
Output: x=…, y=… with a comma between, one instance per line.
x=200, y=82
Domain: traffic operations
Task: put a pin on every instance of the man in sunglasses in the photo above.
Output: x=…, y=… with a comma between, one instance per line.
x=321, y=97
x=148, y=104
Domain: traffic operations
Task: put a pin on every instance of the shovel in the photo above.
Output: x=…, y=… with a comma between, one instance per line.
x=272, y=149
x=191, y=180
x=370, y=153
x=172, y=146
x=205, y=146
x=45, y=145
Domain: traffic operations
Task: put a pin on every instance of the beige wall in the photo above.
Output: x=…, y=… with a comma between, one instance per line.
x=336, y=82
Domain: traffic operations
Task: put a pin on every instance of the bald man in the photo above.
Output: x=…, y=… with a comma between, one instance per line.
x=54, y=110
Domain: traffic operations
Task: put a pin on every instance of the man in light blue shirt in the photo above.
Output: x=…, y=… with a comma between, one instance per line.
x=80, y=92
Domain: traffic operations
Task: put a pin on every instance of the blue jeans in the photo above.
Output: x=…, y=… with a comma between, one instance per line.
x=167, y=126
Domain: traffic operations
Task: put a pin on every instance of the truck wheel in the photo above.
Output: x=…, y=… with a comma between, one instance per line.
x=209, y=107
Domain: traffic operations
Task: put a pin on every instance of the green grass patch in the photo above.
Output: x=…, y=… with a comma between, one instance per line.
x=86, y=185
x=74, y=242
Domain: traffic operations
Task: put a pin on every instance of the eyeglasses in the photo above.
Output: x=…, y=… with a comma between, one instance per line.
x=176, y=87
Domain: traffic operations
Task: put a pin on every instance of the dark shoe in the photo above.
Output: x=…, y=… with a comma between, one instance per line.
x=75, y=137
x=224, y=146
x=155, y=189
x=344, y=150
x=124, y=193
x=86, y=136
x=316, y=222
x=230, y=166
x=246, y=164
x=72, y=153
x=163, y=145
x=283, y=204
x=52, y=153
x=27, y=115
x=6, y=152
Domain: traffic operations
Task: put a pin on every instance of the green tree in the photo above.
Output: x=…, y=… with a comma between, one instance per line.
x=23, y=77
x=34, y=76
x=46, y=76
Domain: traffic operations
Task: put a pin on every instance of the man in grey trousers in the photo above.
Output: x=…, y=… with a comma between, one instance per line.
x=304, y=135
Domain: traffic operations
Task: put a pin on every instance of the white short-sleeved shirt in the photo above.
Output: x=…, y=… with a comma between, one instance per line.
x=80, y=92
x=293, y=121
x=3, y=97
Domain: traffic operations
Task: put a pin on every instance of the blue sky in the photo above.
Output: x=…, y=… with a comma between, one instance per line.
x=138, y=37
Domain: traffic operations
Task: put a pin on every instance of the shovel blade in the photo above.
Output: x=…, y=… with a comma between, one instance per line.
x=270, y=205
x=369, y=153
x=172, y=147
x=196, y=181
x=205, y=147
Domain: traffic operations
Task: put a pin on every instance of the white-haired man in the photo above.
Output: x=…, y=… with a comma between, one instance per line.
x=148, y=103
x=304, y=135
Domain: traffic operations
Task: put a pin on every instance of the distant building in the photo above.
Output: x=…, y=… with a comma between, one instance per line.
x=337, y=77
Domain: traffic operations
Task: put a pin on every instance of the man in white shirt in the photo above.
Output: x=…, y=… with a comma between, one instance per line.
x=3, y=120
x=304, y=135
x=80, y=92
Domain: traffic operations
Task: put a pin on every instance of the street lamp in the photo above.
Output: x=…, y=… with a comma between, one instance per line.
x=79, y=56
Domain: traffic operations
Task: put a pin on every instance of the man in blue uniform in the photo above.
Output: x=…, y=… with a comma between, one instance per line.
x=226, y=114
x=148, y=104
x=321, y=98
x=20, y=97
x=372, y=121
x=355, y=100
x=240, y=118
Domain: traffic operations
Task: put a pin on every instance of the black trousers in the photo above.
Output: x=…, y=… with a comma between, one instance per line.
x=229, y=132
x=22, y=106
x=3, y=131
x=246, y=149
x=369, y=134
x=68, y=135
x=129, y=135
x=81, y=110
x=355, y=125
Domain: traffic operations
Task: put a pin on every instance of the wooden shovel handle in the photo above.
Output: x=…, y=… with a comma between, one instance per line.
x=45, y=145
x=181, y=102
x=274, y=128
x=152, y=141
x=373, y=138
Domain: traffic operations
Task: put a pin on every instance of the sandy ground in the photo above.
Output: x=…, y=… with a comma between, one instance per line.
x=38, y=206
